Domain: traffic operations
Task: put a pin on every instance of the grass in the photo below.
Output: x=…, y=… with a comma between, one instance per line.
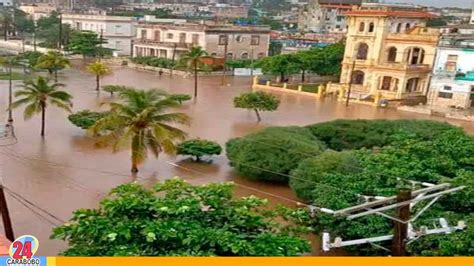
x=15, y=76
x=313, y=88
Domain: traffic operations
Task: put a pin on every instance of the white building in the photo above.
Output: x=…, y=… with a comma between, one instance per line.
x=6, y=3
x=452, y=84
x=117, y=31
x=37, y=11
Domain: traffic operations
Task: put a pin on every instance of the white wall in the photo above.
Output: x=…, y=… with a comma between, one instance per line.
x=6, y=2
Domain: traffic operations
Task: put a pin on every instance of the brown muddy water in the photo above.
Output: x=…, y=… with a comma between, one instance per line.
x=65, y=171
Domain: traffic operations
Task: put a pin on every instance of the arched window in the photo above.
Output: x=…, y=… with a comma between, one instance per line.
x=371, y=27
x=392, y=54
x=415, y=56
x=407, y=26
x=358, y=77
x=362, y=27
x=362, y=51
x=230, y=55
x=214, y=54
x=261, y=55
x=412, y=85
x=399, y=27
x=245, y=56
x=157, y=35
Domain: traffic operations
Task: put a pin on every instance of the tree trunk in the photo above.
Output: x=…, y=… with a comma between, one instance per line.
x=302, y=75
x=134, y=168
x=43, y=116
x=195, y=80
x=56, y=75
x=258, y=115
x=34, y=41
x=282, y=77
x=97, y=80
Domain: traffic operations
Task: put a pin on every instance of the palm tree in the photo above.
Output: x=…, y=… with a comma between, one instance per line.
x=53, y=61
x=140, y=123
x=8, y=62
x=192, y=59
x=38, y=94
x=99, y=69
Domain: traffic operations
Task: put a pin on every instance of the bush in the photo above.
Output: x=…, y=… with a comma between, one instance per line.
x=154, y=61
x=180, y=98
x=257, y=101
x=199, y=148
x=272, y=153
x=321, y=169
x=114, y=88
x=355, y=134
x=86, y=118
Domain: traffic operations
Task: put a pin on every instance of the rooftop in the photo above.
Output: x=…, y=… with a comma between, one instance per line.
x=390, y=10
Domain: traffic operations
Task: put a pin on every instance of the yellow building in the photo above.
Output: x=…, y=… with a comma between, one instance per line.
x=389, y=52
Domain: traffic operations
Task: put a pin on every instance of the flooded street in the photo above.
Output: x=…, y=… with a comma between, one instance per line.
x=65, y=171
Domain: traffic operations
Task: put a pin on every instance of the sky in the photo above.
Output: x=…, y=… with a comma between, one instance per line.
x=438, y=3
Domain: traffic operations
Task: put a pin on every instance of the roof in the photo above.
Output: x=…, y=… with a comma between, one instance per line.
x=341, y=2
x=387, y=13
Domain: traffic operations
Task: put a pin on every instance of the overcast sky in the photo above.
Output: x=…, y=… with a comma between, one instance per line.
x=439, y=3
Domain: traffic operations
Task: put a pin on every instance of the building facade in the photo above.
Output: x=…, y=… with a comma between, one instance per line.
x=389, y=52
x=118, y=32
x=37, y=11
x=6, y=3
x=452, y=84
x=172, y=40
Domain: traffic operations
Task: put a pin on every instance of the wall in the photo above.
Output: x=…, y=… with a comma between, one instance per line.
x=239, y=43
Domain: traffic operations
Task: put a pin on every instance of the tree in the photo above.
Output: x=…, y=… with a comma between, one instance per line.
x=304, y=61
x=86, y=43
x=140, y=123
x=38, y=94
x=180, y=98
x=270, y=154
x=199, y=148
x=257, y=101
x=179, y=219
x=192, y=59
x=282, y=65
x=47, y=30
x=53, y=61
x=86, y=118
x=114, y=89
x=99, y=69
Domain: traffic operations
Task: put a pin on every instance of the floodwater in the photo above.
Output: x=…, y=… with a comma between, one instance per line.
x=65, y=171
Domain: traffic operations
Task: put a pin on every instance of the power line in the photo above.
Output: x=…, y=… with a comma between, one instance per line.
x=38, y=214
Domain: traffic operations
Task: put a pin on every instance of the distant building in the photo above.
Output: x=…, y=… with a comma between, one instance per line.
x=452, y=84
x=389, y=52
x=229, y=11
x=117, y=31
x=172, y=40
x=37, y=11
x=6, y=3
x=325, y=16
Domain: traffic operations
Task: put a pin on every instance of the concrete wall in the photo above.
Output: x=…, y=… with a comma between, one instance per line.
x=239, y=44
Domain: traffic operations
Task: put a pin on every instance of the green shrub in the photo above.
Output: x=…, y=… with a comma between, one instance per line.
x=272, y=153
x=257, y=101
x=199, y=148
x=320, y=169
x=86, y=118
x=180, y=98
x=154, y=61
x=356, y=134
x=114, y=88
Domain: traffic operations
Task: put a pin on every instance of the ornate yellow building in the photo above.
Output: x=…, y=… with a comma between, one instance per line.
x=389, y=52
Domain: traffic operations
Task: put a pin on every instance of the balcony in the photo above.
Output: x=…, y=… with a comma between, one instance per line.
x=418, y=67
x=155, y=43
x=468, y=76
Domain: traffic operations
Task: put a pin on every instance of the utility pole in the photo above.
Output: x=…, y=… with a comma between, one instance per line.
x=350, y=83
x=10, y=92
x=173, y=58
x=251, y=63
x=60, y=41
x=101, y=40
x=7, y=223
x=401, y=229
x=226, y=44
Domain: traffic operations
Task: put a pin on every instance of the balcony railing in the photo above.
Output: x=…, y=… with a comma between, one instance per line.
x=164, y=44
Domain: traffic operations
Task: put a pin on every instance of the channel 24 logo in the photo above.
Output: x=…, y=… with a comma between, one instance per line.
x=22, y=251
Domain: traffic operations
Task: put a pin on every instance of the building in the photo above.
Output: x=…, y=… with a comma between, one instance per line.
x=171, y=40
x=389, y=52
x=6, y=3
x=117, y=31
x=452, y=84
x=229, y=11
x=37, y=11
x=325, y=16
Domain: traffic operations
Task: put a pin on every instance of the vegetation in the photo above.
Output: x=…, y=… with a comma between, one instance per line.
x=257, y=101
x=53, y=62
x=154, y=61
x=31, y=57
x=179, y=219
x=38, y=94
x=158, y=13
x=199, y=148
x=13, y=76
x=87, y=43
x=86, y=118
x=180, y=98
x=99, y=69
x=355, y=134
x=272, y=153
x=47, y=31
x=192, y=59
x=114, y=89
x=140, y=123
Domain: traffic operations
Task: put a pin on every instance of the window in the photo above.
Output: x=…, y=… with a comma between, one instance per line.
x=222, y=39
x=446, y=95
x=255, y=40
x=245, y=56
x=407, y=26
x=169, y=36
x=447, y=88
x=182, y=37
x=362, y=27
x=230, y=56
x=339, y=18
x=415, y=56
x=371, y=27
x=157, y=35
x=214, y=54
x=392, y=54
x=195, y=39
x=399, y=27
x=362, y=51
x=260, y=55
x=412, y=85
x=239, y=38
x=386, y=82
x=143, y=34
x=472, y=88
x=358, y=77
x=451, y=63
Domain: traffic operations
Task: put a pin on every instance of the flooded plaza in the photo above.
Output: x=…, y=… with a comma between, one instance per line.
x=65, y=171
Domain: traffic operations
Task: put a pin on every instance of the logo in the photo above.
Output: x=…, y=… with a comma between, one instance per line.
x=22, y=251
